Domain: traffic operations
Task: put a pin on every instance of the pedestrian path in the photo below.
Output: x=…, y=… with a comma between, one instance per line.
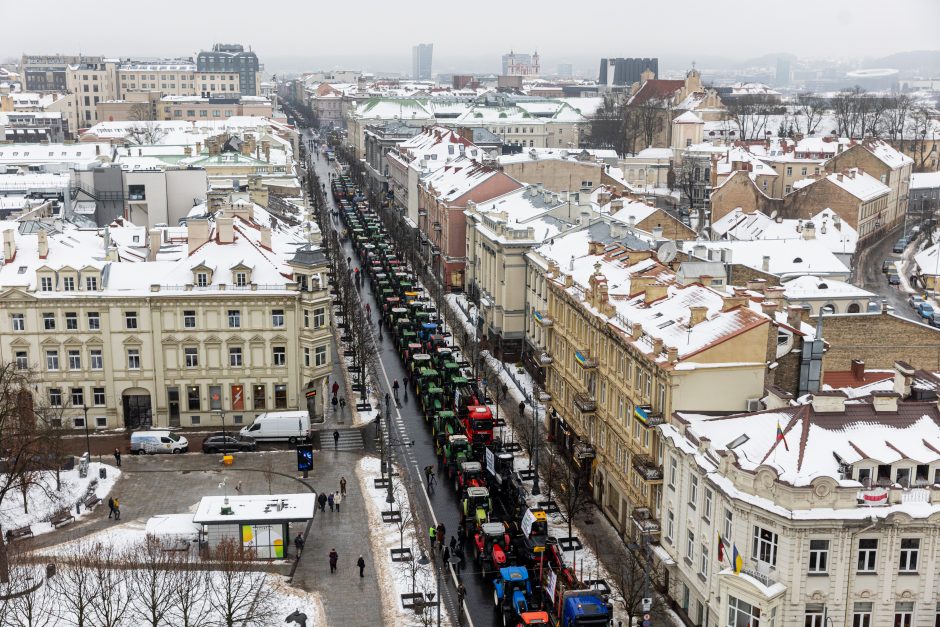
x=349, y=440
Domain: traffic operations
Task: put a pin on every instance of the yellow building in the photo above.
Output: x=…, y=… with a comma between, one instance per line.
x=169, y=327
x=629, y=345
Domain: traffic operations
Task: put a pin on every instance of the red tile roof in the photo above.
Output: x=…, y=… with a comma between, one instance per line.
x=846, y=379
x=656, y=88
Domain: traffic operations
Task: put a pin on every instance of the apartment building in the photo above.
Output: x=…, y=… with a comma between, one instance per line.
x=231, y=60
x=628, y=345
x=891, y=167
x=88, y=84
x=835, y=519
x=168, y=327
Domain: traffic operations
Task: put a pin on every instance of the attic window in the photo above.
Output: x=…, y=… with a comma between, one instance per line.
x=21, y=270
x=738, y=441
x=823, y=286
x=798, y=260
x=666, y=324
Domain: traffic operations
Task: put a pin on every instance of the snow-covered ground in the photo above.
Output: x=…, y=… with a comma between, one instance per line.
x=44, y=501
x=395, y=578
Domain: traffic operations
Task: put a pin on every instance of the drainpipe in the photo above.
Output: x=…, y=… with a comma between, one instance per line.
x=848, y=576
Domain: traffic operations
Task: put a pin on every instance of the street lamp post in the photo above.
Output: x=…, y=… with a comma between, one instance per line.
x=222, y=418
x=536, y=490
x=87, y=438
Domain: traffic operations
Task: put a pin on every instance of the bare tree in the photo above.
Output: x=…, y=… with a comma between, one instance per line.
x=147, y=132
x=572, y=494
x=35, y=608
x=895, y=116
x=75, y=585
x=191, y=607
x=112, y=596
x=151, y=581
x=268, y=470
x=752, y=114
x=238, y=594
x=140, y=112
x=615, y=125
x=812, y=109
x=649, y=116
x=921, y=138
x=24, y=438
x=406, y=519
x=632, y=579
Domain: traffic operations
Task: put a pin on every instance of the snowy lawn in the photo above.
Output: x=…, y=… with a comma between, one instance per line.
x=43, y=501
x=395, y=578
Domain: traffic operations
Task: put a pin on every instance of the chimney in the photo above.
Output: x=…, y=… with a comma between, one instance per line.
x=188, y=151
x=654, y=291
x=636, y=331
x=858, y=369
x=657, y=346
x=43, y=240
x=809, y=230
x=768, y=308
x=884, y=401
x=700, y=251
x=197, y=233
x=672, y=354
x=225, y=228
x=775, y=294
x=730, y=302
x=765, y=263
x=595, y=248
x=9, y=246
x=697, y=314
x=156, y=238
x=757, y=285
x=839, y=177
x=266, y=149
x=198, y=148
x=903, y=375
x=658, y=231
x=828, y=402
x=266, y=237
x=794, y=316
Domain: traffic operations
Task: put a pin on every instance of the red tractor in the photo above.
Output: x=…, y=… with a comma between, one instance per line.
x=469, y=474
x=491, y=547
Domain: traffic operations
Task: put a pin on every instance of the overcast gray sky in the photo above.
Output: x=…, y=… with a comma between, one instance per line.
x=468, y=35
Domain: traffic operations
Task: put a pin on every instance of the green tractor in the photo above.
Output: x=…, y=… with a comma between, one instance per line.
x=432, y=401
x=456, y=450
x=476, y=508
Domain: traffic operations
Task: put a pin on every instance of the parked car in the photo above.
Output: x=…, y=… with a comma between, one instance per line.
x=915, y=300
x=900, y=245
x=894, y=279
x=934, y=320
x=886, y=265
x=152, y=442
x=925, y=310
x=227, y=443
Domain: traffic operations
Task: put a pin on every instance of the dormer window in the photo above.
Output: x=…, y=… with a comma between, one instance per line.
x=202, y=279
x=91, y=283
x=45, y=284
x=68, y=284
x=241, y=279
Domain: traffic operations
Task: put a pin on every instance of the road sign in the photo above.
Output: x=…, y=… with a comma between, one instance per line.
x=647, y=604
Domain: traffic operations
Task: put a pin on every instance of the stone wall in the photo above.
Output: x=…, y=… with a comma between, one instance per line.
x=879, y=339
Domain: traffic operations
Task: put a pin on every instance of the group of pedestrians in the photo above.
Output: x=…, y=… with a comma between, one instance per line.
x=114, y=508
x=337, y=401
x=333, y=499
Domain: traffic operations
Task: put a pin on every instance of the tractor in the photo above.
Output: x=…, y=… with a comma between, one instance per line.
x=491, y=546
x=469, y=474
x=476, y=508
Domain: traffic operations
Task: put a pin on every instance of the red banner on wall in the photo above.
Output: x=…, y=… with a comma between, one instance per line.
x=238, y=397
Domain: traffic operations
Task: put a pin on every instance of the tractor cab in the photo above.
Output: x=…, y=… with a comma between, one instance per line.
x=469, y=474
x=426, y=330
x=457, y=451
x=441, y=355
x=428, y=377
x=416, y=362
x=432, y=400
x=412, y=349
x=476, y=507
x=534, y=533
x=491, y=544
x=445, y=423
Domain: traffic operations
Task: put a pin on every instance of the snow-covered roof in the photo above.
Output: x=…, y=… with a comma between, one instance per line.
x=927, y=260
x=457, y=178
x=925, y=180
x=250, y=507
x=859, y=183
x=655, y=153
x=838, y=236
x=812, y=287
x=12, y=154
x=688, y=118
x=890, y=156
x=519, y=210
x=784, y=257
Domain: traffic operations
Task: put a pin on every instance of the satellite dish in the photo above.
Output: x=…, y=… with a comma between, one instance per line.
x=666, y=252
x=773, y=214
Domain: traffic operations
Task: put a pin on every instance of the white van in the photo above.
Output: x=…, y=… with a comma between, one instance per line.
x=292, y=426
x=152, y=442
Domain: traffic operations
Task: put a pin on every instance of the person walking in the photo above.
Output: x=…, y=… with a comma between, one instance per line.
x=321, y=501
x=361, y=563
x=337, y=499
x=395, y=389
x=331, y=501
x=335, y=403
x=453, y=544
x=117, y=509
x=342, y=486
x=117, y=457
x=110, y=507
x=441, y=535
x=342, y=405
x=335, y=388
x=445, y=556
x=335, y=434
x=431, y=533
x=461, y=536
x=299, y=544
x=461, y=595
x=522, y=409
x=238, y=487
x=334, y=558
x=428, y=471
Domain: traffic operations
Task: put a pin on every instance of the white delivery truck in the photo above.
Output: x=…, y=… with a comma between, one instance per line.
x=152, y=442
x=292, y=426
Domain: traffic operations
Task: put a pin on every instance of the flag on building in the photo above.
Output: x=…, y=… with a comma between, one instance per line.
x=737, y=562
x=721, y=549
x=780, y=436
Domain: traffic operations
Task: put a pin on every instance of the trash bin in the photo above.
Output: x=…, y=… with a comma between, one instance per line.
x=227, y=460
x=102, y=473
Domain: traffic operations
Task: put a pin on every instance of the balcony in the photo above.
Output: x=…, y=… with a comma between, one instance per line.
x=437, y=226
x=644, y=522
x=644, y=413
x=585, y=403
x=585, y=360
x=647, y=468
x=422, y=212
x=543, y=319
x=545, y=358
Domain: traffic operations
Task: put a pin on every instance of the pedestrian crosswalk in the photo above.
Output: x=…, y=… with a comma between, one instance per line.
x=349, y=440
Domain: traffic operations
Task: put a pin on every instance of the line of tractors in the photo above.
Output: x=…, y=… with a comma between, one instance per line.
x=509, y=541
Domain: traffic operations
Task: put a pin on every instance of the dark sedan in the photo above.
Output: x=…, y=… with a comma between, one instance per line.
x=228, y=443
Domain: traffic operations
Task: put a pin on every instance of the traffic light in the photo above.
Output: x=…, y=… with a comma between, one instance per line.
x=304, y=458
